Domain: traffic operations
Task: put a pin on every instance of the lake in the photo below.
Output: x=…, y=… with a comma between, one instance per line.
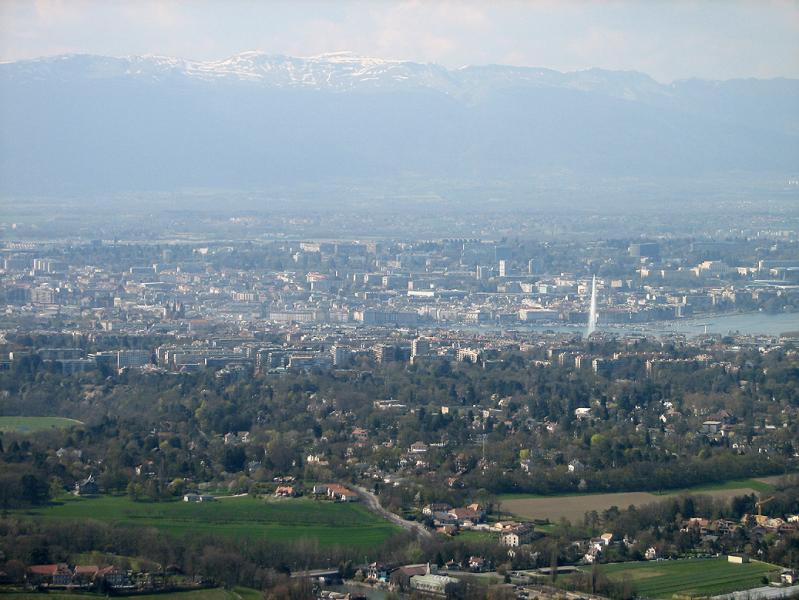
x=753, y=323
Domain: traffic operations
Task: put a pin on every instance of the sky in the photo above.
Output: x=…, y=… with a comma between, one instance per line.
x=677, y=39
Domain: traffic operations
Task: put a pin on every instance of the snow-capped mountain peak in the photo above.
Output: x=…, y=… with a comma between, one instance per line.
x=148, y=122
x=337, y=71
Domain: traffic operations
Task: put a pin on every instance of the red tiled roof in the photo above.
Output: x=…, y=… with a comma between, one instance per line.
x=465, y=513
x=334, y=488
x=86, y=569
x=47, y=569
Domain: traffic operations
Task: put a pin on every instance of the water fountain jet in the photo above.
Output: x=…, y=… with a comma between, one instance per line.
x=592, y=316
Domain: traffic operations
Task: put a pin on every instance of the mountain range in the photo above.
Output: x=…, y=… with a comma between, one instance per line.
x=77, y=123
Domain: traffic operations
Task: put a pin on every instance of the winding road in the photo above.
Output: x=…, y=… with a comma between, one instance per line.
x=373, y=503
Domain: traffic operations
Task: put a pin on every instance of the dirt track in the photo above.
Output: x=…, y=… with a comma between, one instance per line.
x=373, y=503
x=574, y=507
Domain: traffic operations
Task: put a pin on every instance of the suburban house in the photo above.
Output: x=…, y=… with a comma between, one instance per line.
x=114, y=577
x=467, y=516
x=477, y=564
x=57, y=574
x=575, y=466
x=69, y=452
x=788, y=577
x=593, y=553
x=285, y=491
x=696, y=523
x=336, y=492
x=377, y=572
x=86, y=487
x=429, y=509
x=197, y=498
x=596, y=546
x=725, y=417
x=238, y=437
x=502, y=526
x=146, y=469
x=452, y=565
x=517, y=536
x=738, y=558
x=443, y=518
x=83, y=576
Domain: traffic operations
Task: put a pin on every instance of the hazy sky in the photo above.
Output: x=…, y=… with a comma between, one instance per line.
x=717, y=39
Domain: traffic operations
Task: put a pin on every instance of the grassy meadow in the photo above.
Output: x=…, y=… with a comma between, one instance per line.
x=697, y=577
x=280, y=520
x=34, y=424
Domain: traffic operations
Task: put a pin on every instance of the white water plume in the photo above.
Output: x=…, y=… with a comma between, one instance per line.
x=592, y=316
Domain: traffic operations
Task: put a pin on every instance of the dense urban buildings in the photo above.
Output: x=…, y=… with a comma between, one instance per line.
x=429, y=382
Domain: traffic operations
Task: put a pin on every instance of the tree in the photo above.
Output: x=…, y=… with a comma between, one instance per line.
x=34, y=489
x=234, y=458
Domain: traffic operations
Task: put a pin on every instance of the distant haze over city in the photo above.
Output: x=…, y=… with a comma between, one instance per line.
x=256, y=120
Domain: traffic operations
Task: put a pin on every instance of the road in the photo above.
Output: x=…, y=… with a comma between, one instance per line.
x=372, y=503
x=762, y=593
x=315, y=573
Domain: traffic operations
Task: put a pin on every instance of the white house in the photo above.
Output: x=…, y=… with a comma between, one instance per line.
x=517, y=536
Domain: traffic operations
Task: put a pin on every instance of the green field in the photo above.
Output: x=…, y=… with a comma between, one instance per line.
x=104, y=558
x=238, y=593
x=699, y=577
x=34, y=424
x=758, y=484
x=477, y=536
x=279, y=520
